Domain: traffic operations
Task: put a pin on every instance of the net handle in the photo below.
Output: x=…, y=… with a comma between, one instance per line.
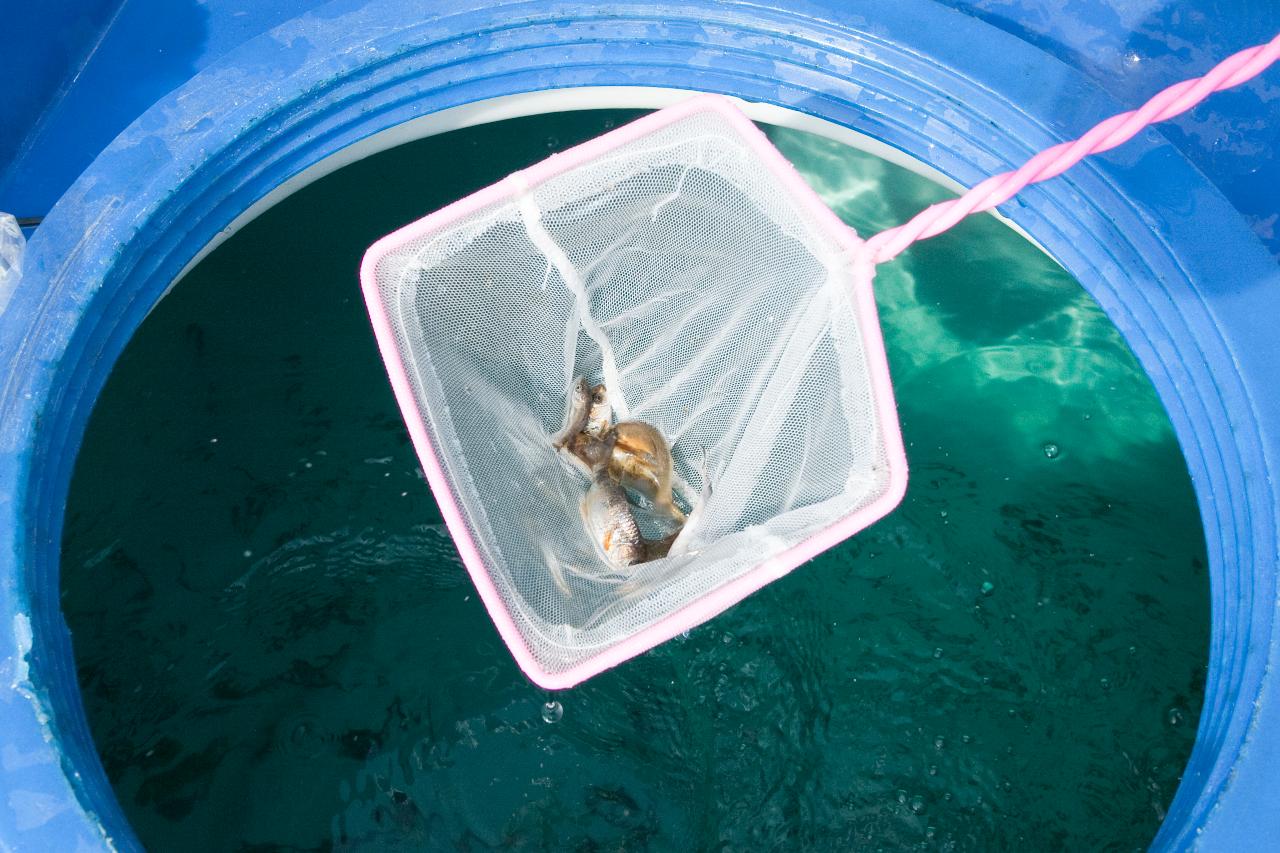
x=997, y=189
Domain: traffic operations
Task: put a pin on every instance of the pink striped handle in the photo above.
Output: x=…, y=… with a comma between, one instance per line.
x=998, y=189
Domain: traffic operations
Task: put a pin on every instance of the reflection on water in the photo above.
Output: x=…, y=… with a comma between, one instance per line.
x=280, y=650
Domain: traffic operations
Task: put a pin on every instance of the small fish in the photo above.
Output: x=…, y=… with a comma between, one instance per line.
x=640, y=460
x=608, y=518
x=600, y=417
x=607, y=514
x=593, y=443
x=576, y=415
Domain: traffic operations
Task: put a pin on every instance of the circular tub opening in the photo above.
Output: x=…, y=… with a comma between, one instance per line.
x=278, y=647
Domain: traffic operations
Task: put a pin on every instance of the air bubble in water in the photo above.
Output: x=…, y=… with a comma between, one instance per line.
x=988, y=587
x=1052, y=450
x=552, y=711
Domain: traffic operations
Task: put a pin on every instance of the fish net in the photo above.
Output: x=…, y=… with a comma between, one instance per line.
x=681, y=262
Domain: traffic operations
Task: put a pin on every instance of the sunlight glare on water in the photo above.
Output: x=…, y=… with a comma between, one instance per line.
x=280, y=649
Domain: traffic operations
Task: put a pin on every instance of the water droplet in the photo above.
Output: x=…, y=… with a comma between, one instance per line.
x=1132, y=58
x=966, y=738
x=902, y=797
x=1052, y=450
x=1174, y=716
x=942, y=512
x=1105, y=682
x=988, y=587
x=552, y=711
x=917, y=804
x=248, y=554
x=939, y=742
x=553, y=142
x=937, y=653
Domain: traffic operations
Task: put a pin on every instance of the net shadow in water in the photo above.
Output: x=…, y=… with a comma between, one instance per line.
x=279, y=648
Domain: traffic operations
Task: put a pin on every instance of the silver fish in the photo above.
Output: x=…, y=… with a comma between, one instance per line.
x=585, y=438
x=594, y=444
x=575, y=416
x=610, y=522
x=601, y=415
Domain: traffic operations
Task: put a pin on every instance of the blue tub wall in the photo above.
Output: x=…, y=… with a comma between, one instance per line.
x=1134, y=49
x=1163, y=252
x=42, y=46
x=90, y=67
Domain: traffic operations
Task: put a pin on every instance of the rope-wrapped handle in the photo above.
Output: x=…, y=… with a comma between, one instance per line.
x=1051, y=162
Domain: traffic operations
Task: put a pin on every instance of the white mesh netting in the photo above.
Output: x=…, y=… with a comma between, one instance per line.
x=680, y=270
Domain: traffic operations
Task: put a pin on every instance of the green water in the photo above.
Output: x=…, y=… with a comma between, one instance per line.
x=280, y=650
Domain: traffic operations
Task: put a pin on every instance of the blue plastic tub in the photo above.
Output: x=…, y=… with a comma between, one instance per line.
x=1172, y=261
